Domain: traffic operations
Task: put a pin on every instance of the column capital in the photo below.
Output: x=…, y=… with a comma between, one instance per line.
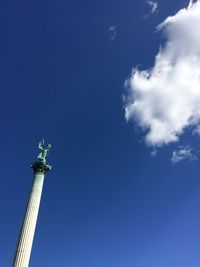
x=40, y=166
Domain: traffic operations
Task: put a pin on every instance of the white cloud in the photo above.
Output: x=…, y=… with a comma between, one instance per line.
x=165, y=99
x=154, y=153
x=113, y=32
x=153, y=5
x=182, y=154
x=196, y=130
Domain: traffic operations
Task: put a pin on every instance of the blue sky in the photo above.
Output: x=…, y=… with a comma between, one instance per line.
x=107, y=202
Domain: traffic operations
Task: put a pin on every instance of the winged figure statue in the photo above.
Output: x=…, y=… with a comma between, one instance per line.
x=44, y=150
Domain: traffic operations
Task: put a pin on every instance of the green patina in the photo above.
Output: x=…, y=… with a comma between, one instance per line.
x=41, y=164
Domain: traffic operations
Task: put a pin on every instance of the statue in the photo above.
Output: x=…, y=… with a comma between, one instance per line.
x=41, y=164
x=44, y=151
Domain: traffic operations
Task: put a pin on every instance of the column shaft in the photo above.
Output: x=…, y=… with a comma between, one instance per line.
x=25, y=242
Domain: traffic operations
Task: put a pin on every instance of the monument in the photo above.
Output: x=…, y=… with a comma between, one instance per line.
x=24, y=246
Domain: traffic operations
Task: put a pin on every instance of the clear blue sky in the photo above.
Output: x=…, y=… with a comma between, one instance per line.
x=106, y=202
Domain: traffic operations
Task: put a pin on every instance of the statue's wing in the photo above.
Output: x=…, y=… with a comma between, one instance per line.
x=41, y=144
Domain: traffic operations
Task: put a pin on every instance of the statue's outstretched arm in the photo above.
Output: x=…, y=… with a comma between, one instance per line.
x=41, y=144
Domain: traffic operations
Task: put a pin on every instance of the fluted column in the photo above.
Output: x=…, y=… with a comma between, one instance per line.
x=25, y=242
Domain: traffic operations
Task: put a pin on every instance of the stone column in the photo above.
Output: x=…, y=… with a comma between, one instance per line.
x=25, y=242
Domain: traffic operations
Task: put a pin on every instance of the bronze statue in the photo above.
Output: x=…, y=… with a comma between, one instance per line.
x=44, y=151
